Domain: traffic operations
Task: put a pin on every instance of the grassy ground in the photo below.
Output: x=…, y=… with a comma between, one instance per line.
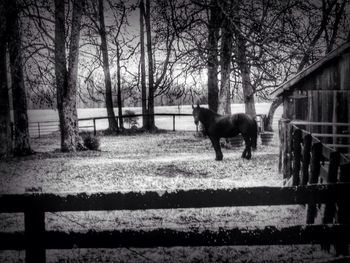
x=148, y=162
x=165, y=161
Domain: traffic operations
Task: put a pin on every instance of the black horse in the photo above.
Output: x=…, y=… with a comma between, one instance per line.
x=217, y=126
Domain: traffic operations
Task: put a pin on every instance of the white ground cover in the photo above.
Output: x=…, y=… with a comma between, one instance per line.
x=162, y=162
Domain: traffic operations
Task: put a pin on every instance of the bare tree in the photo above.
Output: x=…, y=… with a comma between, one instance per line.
x=66, y=79
x=225, y=60
x=119, y=83
x=143, y=67
x=5, y=132
x=37, y=27
x=121, y=12
x=151, y=88
x=22, y=140
x=165, y=36
x=213, y=63
x=339, y=12
x=244, y=68
x=113, y=124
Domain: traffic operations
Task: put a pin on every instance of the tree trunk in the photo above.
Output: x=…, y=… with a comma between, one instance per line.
x=119, y=93
x=269, y=119
x=213, y=63
x=151, y=123
x=225, y=59
x=5, y=130
x=66, y=80
x=248, y=89
x=113, y=124
x=22, y=140
x=143, y=68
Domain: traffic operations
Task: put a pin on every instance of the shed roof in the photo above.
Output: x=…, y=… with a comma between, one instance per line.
x=313, y=67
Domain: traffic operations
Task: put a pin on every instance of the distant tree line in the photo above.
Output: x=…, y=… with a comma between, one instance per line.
x=115, y=52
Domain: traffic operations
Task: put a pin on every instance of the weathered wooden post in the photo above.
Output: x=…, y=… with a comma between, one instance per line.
x=280, y=134
x=329, y=211
x=344, y=175
x=306, y=159
x=94, y=120
x=34, y=223
x=173, y=122
x=296, y=151
x=343, y=213
x=12, y=128
x=38, y=129
x=316, y=151
x=286, y=167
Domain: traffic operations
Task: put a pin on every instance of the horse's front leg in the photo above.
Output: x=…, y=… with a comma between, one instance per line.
x=247, y=153
x=217, y=148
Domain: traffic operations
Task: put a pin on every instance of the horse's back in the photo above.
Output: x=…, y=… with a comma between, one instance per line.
x=246, y=123
x=231, y=125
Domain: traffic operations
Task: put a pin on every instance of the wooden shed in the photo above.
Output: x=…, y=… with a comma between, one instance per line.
x=317, y=100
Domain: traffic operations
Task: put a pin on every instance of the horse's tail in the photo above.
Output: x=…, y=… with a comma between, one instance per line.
x=254, y=137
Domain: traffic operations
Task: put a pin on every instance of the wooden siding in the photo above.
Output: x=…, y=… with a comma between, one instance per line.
x=338, y=56
x=322, y=96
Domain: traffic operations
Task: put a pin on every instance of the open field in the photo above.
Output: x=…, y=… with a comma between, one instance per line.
x=166, y=161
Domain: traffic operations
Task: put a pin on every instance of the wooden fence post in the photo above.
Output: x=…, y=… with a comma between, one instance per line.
x=280, y=133
x=173, y=122
x=296, y=150
x=34, y=223
x=12, y=128
x=329, y=211
x=94, y=121
x=285, y=130
x=344, y=175
x=38, y=129
x=306, y=159
x=343, y=213
x=289, y=149
x=316, y=150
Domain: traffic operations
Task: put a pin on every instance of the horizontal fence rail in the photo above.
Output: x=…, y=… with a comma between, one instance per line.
x=336, y=135
x=253, y=196
x=313, y=123
x=37, y=129
x=35, y=239
x=270, y=235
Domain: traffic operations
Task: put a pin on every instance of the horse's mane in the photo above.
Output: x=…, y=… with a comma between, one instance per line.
x=207, y=116
x=209, y=112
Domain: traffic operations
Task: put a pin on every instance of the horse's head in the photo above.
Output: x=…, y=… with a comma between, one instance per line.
x=195, y=113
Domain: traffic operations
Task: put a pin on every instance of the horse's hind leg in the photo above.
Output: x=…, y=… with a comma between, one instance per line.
x=247, y=154
x=244, y=152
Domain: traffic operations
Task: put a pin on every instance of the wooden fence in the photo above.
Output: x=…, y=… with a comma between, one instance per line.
x=302, y=152
x=34, y=240
x=37, y=129
x=306, y=160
